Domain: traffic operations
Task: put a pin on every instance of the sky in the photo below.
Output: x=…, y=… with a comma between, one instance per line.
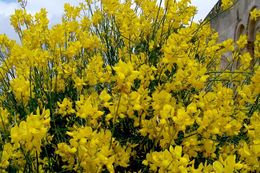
x=55, y=11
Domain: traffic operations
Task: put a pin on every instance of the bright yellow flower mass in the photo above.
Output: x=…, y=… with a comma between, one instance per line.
x=127, y=86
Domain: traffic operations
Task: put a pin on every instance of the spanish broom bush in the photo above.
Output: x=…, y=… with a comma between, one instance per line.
x=127, y=86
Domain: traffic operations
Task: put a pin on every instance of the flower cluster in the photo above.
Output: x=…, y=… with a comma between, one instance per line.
x=127, y=86
x=90, y=150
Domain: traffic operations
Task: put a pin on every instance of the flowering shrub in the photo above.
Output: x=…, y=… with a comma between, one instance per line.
x=127, y=86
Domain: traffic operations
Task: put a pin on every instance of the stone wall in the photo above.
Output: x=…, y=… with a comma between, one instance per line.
x=236, y=21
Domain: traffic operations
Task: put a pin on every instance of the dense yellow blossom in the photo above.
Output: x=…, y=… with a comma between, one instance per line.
x=4, y=118
x=22, y=89
x=30, y=133
x=65, y=108
x=91, y=150
x=127, y=86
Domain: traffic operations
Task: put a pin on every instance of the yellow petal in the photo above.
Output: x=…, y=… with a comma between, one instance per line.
x=178, y=151
x=218, y=167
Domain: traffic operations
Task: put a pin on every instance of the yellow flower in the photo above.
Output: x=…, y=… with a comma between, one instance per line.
x=23, y=89
x=91, y=150
x=167, y=111
x=104, y=96
x=168, y=160
x=256, y=82
x=225, y=4
x=71, y=12
x=4, y=115
x=218, y=167
x=227, y=165
x=6, y=155
x=30, y=133
x=130, y=79
x=242, y=41
x=65, y=108
x=79, y=83
x=87, y=107
x=255, y=14
x=125, y=75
